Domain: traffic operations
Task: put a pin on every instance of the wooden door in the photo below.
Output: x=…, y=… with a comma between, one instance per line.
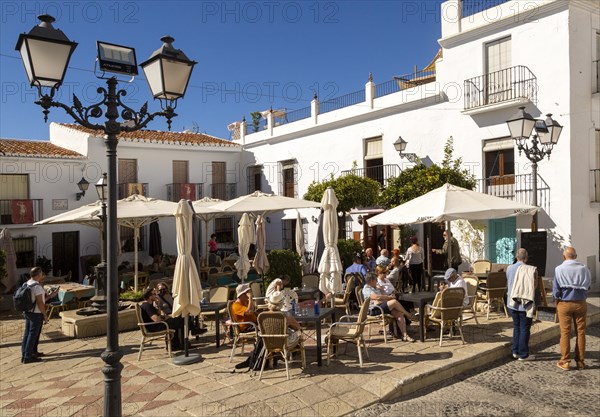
x=65, y=254
x=218, y=180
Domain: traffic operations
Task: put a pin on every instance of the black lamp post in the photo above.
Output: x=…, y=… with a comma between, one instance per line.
x=46, y=52
x=544, y=135
x=400, y=146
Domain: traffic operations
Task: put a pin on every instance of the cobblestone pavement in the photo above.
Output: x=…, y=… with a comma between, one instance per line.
x=510, y=388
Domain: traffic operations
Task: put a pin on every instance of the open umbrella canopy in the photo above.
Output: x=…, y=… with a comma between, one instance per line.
x=261, y=262
x=450, y=202
x=330, y=266
x=134, y=212
x=245, y=238
x=261, y=203
x=187, y=290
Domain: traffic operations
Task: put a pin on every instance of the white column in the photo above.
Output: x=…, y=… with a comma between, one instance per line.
x=451, y=17
x=370, y=91
x=314, y=108
x=243, y=132
x=270, y=122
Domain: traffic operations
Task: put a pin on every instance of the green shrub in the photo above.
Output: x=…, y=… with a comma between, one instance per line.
x=347, y=249
x=131, y=295
x=284, y=262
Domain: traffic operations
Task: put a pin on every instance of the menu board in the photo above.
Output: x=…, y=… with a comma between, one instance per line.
x=536, y=244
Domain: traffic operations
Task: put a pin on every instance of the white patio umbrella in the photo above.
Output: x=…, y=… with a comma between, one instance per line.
x=300, y=241
x=330, y=266
x=261, y=203
x=6, y=244
x=134, y=211
x=245, y=238
x=450, y=202
x=261, y=262
x=187, y=290
x=205, y=212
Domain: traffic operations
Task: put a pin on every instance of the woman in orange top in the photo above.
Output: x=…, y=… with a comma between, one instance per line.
x=243, y=308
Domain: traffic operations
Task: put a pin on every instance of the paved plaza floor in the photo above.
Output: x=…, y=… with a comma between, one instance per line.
x=69, y=381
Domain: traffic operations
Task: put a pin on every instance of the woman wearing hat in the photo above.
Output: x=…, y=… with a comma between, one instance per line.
x=274, y=303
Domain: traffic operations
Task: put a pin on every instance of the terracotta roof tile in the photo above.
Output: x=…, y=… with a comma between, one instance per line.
x=183, y=138
x=35, y=148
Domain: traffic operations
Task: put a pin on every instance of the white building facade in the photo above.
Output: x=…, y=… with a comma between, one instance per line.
x=543, y=56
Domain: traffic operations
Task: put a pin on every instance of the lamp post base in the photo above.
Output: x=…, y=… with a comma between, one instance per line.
x=187, y=360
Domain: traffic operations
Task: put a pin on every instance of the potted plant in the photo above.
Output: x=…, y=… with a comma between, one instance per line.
x=130, y=295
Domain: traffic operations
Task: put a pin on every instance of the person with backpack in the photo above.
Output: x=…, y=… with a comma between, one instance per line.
x=31, y=299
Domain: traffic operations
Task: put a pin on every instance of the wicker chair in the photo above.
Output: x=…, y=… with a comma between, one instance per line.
x=350, y=331
x=382, y=318
x=240, y=338
x=310, y=281
x=472, y=287
x=273, y=327
x=447, y=311
x=495, y=290
x=343, y=300
x=148, y=336
x=482, y=266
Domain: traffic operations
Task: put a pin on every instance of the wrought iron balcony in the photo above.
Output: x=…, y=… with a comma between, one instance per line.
x=188, y=191
x=379, y=173
x=595, y=185
x=20, y=211
x=509, y=84
x=129, y=188
x=516, y=187
x=223, y=191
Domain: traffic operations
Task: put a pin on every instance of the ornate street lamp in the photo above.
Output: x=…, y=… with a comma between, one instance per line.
x=99, y=299
x=83, y=186
x=46, y=52
x=400, y=146
x=543, y=134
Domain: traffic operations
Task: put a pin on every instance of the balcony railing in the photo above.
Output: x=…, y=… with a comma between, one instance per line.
x=223, y=191
x=596, y=185
x=21, y=211
x=260, y=125
x=342, y=101
x=295, y=115
x=500, y=86
x=188, y=191
x=516, y=187
x=129, y=188
x=470, y=7
x=379, y=173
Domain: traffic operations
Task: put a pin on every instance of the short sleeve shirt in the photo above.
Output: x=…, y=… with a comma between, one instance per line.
x=367, y=291
x=36, y=289
x=239, y=310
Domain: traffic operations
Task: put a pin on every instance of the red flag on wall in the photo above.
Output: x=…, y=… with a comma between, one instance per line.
x=21, y=211
x=188, y=192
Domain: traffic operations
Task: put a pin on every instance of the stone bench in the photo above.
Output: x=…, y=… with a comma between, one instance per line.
x=77, y=326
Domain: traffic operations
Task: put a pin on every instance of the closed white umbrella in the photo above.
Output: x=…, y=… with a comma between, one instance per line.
x=187, y=290
x=261, y=262
x=330, y=266
x=245, y=238
x=6, y=244
x=300, y=241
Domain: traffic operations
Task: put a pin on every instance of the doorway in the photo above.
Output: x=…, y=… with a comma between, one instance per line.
x=502, y=240
x=65, y=254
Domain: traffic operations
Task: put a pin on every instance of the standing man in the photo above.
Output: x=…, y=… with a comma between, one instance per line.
x=522, y=282
x=35, y=318
x=453, y=259
x=572, y=280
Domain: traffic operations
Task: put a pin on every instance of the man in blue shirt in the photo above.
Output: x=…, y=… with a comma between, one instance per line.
x=357, y=267
x=572, y=280
x=518, y=310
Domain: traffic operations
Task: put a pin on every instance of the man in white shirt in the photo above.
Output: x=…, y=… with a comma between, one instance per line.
x=454, y=280
x=35, y=318
x=278, y=284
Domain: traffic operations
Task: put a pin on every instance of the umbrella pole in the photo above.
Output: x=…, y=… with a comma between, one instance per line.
x=187, y=358
x=136, y=235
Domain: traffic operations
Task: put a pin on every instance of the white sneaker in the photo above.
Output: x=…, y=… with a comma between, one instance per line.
x=515, y=356
x=528, y=358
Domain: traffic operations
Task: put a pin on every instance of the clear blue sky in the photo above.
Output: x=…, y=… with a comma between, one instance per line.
x=251, y=54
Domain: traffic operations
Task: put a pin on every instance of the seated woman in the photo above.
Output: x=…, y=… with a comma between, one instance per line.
x=274, y=303
x=388, y=304
x=165, y=299
x=151, y=315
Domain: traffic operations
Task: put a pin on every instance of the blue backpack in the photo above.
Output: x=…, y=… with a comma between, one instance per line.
x=23, y=299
